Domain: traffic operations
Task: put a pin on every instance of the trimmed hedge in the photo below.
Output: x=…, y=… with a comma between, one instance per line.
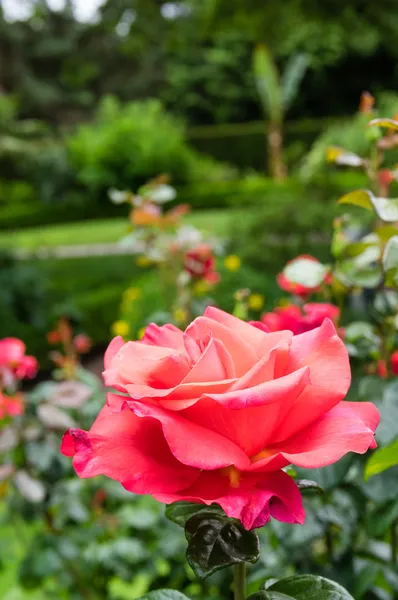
x=253, y=190
x=244, y=144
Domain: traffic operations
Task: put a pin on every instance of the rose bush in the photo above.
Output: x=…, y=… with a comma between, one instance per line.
x=214, y=414
x=299, y=320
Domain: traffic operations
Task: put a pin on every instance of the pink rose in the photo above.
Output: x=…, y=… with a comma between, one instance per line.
x=298, y=320
x=215, y=413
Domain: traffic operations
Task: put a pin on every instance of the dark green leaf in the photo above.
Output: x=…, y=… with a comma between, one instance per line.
x=215, y=541
x=163, y=595
x=266, y=595
x=310, y=587
x=381, y=517
x=180, y=512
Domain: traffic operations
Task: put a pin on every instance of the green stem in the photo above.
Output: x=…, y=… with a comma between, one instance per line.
x=240, y=581
x=394, y=543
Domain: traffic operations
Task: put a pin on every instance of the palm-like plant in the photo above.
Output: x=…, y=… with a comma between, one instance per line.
x=277, y=92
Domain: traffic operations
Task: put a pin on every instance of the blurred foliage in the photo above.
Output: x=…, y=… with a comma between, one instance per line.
x=348, y=134
x=195, y=56
x=127, y=145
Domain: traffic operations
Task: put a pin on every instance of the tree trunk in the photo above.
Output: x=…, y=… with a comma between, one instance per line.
x=277, y=168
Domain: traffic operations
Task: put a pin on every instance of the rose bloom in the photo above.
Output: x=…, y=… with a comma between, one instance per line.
x=297, y=288
x=214, y=414
x=15, y=361
x=298, y=320
x=200, y=264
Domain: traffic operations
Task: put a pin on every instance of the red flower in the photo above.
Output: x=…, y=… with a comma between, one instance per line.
x=394, y=362
x=297, y=288
x=82, y=343
x=200, y=264
x=14, y=360
x=215, y=413
x=294, y=319
x=382, y=370
x=11, y=406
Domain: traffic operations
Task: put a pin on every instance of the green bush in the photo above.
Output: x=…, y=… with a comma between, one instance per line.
x=292, y=218
x=128, y=144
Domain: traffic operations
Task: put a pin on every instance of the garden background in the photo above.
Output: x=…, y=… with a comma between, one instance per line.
x=235, y=103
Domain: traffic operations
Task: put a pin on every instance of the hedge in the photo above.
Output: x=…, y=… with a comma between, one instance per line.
x=252, y=190
x=244, y=144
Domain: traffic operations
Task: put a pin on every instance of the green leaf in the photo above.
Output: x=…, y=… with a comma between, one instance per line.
x=388, y=408
x=328, y=477
x=267, y=82
x=380, y=518
x=215, y=541
x=385, y=208
x=307, y=484
x=164, y=595
x=180, y=512
x=306, y=272
x=382, y=459
x=390, y=255
x=390, y=123
x=292, y=77
x=304, y=587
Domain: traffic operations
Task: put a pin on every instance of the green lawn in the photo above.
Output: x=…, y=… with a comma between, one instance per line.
x=215, y=222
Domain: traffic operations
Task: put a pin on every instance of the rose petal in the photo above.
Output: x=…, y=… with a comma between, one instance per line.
x=129, y=449
x=324, y=352
x=253, y=500
x=193, y=444
x=348, y=427
x=142, y=364
x=249, y=417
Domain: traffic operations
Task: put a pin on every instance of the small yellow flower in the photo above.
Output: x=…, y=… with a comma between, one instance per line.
x=332, y=153
x=131, y=294
x=143, y=261
x=180, y=315
x=256, y=301
x=201, y=288
x=141, y=333
x=232, y=262
x=120, y=328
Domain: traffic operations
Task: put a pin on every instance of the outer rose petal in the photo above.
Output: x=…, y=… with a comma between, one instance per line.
x=129, y=449
x=324, y=352
x=112, y=350
x=12, y=350
x=254, y=501
x=193, y=444
x=348, y=427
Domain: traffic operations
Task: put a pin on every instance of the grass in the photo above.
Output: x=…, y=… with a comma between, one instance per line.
x=213, y=222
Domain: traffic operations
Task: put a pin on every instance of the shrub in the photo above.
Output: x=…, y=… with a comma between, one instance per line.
x=128, y=144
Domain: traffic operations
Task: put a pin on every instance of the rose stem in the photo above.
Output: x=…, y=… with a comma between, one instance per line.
x=240, y=581
x=394, y=542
